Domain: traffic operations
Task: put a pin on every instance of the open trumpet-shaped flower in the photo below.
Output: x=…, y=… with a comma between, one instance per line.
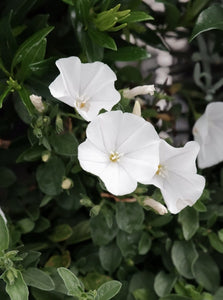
x=122, y=149
x=176, y=176
x=208, y=132
x=87, y=87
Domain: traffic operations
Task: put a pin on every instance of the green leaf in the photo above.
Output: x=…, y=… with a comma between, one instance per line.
x=100, y=232
x=7, y=177
x=108, y=290
x=61, y=233
x=129, y=53
x=144, y=243
x=4, y=234
x=49, y=176
x=102, y=39
x=64, y=144
x=128, y=243
x=26, y=225
x=71, y=282
x=129, y=216
x=189, y=221
x=174, y=297
x=18, y=290
x=215, y=242
x=24, y=95
x=137, y=16
x=32, y=154
x=184, y=255
x=164, y=283
x=219, y=294
x=4, y=94
x=209, y=19
x=110, y=257
x=143, y=294
x=39, y=279
x=206, y=272
x=81, y=232
x=31, y=43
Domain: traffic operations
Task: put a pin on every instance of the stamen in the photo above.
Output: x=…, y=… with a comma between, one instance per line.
x=115, y=156
x=161, y=171
x=82, y=102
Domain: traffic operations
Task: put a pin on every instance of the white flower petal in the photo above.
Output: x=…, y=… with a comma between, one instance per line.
x=117, y=180
x=181, y=191
x=70, y=70
x=58, y=91
x=96, y=76
x=87, y=87
x=208, y=132
x=91, y=158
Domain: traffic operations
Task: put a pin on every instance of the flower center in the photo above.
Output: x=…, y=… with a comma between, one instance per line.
x=115, y=156
x=161, y=171
x=82, y=102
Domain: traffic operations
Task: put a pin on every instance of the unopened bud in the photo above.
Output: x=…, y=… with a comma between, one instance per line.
x=157, y=206
x=95, y=210
x=45, y=156
x=86, y=202
x=59, y=124
x=37, y=103
x=139, y=90
x=67, y=183
x=137, y=109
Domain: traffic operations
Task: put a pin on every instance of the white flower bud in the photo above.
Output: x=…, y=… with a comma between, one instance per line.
x=67, y=183
x=157, y=206
x=45, y=156
x=139, y=90
x=137, y=109
x=37, y=102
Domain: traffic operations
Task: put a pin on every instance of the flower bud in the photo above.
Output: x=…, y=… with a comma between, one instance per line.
x=45, y=156
x=67, y=183
x=139, y=90
x=37, y=103
x=95, y=210
x=137, y=109
x=86, y=202
x=157, y=206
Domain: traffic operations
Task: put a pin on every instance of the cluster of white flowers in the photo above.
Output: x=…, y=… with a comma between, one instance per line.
x=122, y=148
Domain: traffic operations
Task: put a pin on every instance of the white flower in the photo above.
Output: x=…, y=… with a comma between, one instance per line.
x=87, y=87
x=139, y=90
x=157, y=206
x=208, y=132
x=121, y=148
x=3, y=215
x=176, y=176
x=37, y=102
x=137, y=109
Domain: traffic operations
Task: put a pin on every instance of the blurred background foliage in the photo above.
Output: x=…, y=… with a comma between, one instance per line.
x=175, y=44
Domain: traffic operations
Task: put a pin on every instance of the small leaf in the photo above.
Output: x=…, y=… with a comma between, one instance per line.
x=49, y=176
x=164, y=283
x=184, y=255
x=137, y=16
x=144, y=243
x=129, y=53
x=61, y=233
x=4, y=234
x=215, y=242
x=7, y=177
x=71, y=282
x=18, y=290
x=108, y=290
x=64, y=144
x=24, y=96
x=189, y=221
x=110, y=257
x=4, y=95
x=210, y=18
x=102, y=39
x=39, y=279
x=206, y=272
